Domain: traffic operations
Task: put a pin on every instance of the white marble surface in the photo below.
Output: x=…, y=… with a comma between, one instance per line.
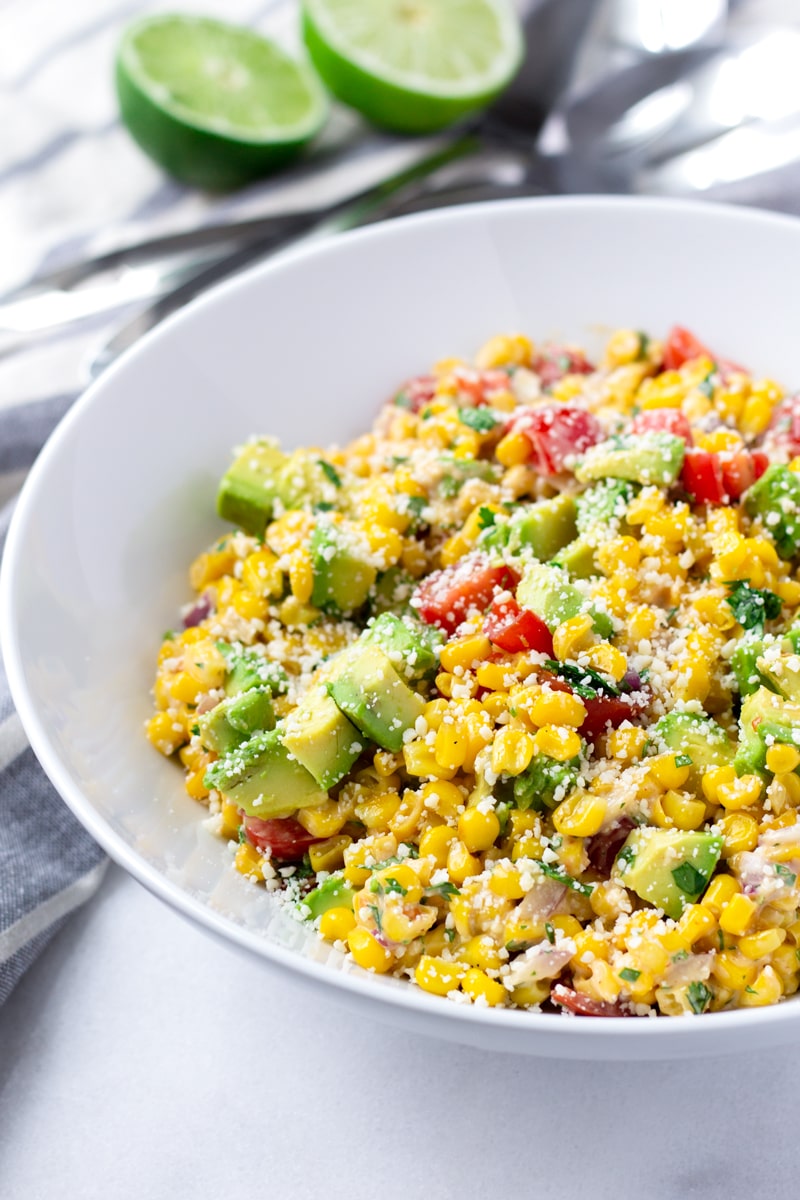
x=140, y=1059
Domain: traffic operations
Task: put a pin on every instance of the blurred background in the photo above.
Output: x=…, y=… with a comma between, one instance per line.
x=681, y=97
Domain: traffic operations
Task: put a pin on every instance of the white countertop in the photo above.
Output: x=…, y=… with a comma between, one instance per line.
x=139, y=1058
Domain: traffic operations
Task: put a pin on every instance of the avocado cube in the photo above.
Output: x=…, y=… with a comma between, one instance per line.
x=369, y=691
x=411, y=647
x=668, y=868
x=305, y=479
x=781, y=674
x=249, y=488
x=248, y=669
x=775, y=498
x=236, y=719
x=391, y=592
x=545, y=783
x=744, y=664
x=603, y=503
x=698, y=737
x=547, y=591
x=263, y=778
x=543, y=528
x=577, y=559
x=647, y=458
x=765, y=719
x=333, y=893
x=342, y=576
x=320, y=737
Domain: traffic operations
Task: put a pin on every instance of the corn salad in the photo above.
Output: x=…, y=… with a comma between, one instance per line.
x=504, y=696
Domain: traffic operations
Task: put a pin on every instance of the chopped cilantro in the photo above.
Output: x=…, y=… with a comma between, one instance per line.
x=330, y=472
x=644, y=345
x=550, y=933
x=706, y=387
x=629, y=974
x=671, y=614
x=323, y=506
x=582, y=677
x=402, y=400
x=450, y=934
x=515, y=946
x=242, y=836
x=482, y=420
x=196, y=730
x=561, y=875
x=446, y=889
x=699, y=996
x=449, y=486
x=752, y=607
x=486, y=517
x=751, y=990
x=626, y=855
x=680, y=956
x=683, y=760
x=168, y=635
x=411, y=850
x=376, y=916
x=394, y=887
x=788, y=877
x=689, y=879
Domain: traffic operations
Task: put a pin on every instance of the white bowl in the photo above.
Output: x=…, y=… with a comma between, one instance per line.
x=306, y=348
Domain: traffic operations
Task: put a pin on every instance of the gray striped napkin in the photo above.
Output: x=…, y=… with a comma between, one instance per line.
x=48, y=863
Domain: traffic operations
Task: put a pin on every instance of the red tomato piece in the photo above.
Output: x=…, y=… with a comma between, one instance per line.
x=663, y=420
x=282, y=838
x=515, y=629
x=702, y=477
x=555, y=362
x=448, y=596
x=585, y=1006
x=556, y=432
x=604, y=712
x=479, y=385
x=415, y=394
x=740, y=470
x=681, y=347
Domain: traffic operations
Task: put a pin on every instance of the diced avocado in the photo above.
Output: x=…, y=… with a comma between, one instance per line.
x=248, y=669
x=744, y=664
x=699, y=738
x=411, y=646
x=264, y=779
x=369, y=691
x=342, y=577
x=236, y=719
x=647, y=458
x=391, y=592
x=765, y=719
x=668, y=868
x=320, y=737
x=775, y=498
x=781, y=674
x=456, y=472
x=577, y=559
x=250, y=486
x=545, y=783
x=495, y=536
x=543, y=528
x=333, y=893
x=305, y=479
x=547, y=591
x=603, y=503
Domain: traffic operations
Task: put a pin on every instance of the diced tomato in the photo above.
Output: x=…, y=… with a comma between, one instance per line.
x=555, y=362
x=556, y=432
x=479, y=385
x=663, y=420
x=607, y=712
x=740, y=470
x=702, y=477
x=515, y=629
x=415, y=394
x=585, y=1006
x=448, y=596
x=784, y=428
x=283, y=838
x=681, y=347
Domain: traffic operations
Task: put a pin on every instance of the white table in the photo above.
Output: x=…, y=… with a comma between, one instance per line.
x=139, y=1058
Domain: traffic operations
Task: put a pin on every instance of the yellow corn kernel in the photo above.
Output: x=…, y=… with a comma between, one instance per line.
x=404, y=824
x=301, y=576
x=329, y=855
x=405, y=482
x=589, y=944
x=421, y=760
x=733, y=970
x=784, y=959
x=618, y=552
x=696, y=922
x=759, y=945
x=605, y=899
x=557, y=742
x=289, y=531
x=719, y=892
x=506, y=881
x=261, y=574
x=766, y=988
x=580, y=815
x=666, y=772
x=495, y=676
x=461, y=864
x=480, y=987
x=482, y=952
x=250, y=605
x=781, y=759
x=789, y=591
x=324, y=821
x=572, y=636
x=249, y=862
x=513, y=449
x=505, y=349
x=450, y=747
x=743, y=792
x=377, y=810
x=645, y=505
x=185, y=688
x=437, y=976
x=642, y=623
x=444, y=683
x=557, y=708
x=627, y=744
x=368, y=952
x=385, y=543
x=434, y=712
x=398, y=875
x=739, y=832
x=435, y=843
x=602, y=983
x=386, y=763
x=714, y=779
x=694, y=680
x=756, y=415
x=207, y=568
x=714, y=611
x=295, y=615
x=465, y=652
x=478, y=830
x=443, y=798
x=737, y=914
x=683, y=812
x=495, y=703
x=526, y=995
x=194, y=784
x=512, y=751
x=336, y=924
x=230, y=820
x=166, y=733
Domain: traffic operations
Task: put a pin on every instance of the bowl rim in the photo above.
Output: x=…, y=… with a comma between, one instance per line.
x=358, y=983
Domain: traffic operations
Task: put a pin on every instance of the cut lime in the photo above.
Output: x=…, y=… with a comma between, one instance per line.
x=216, y=105
x=413, y=65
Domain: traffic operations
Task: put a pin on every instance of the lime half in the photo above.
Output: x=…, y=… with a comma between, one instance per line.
x=215, y=104
x=413, y=65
